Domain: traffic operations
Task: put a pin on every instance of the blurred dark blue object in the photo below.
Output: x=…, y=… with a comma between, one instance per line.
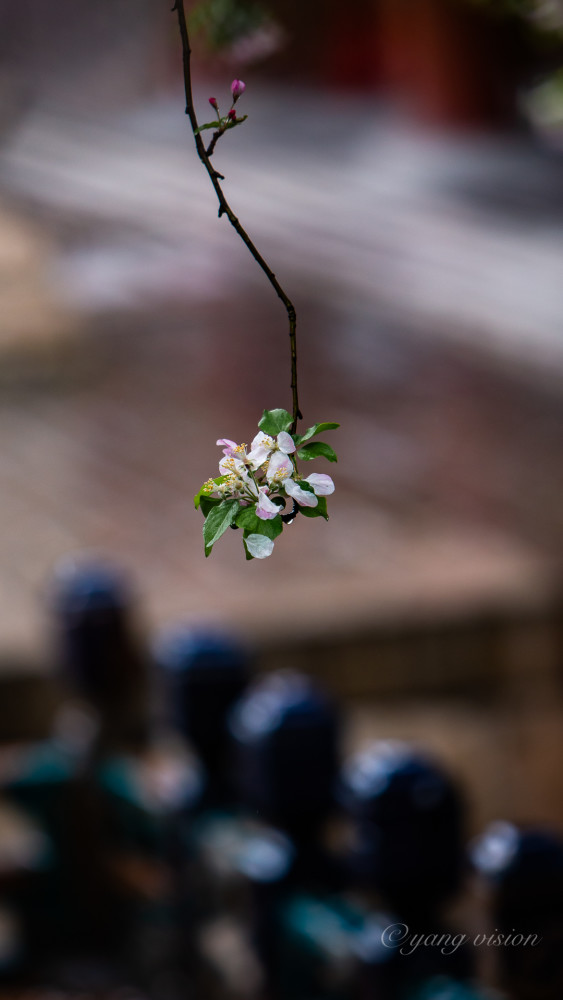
x=99, y=655
x=524, y=871
x=285, y=733
x=204, y=672
x=408, y=826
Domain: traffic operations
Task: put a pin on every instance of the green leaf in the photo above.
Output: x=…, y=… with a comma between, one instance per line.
x=207, y=504
x=222, y=126
x=198, y=496
x=271, y=528
x=317, y=450
x=217, y=522
x=318, y=511
x=248, y=519
x=203, y=491
x=207, y=125
x=253, y=524
x=233, y=124
x=315, y=429
x=274, y=421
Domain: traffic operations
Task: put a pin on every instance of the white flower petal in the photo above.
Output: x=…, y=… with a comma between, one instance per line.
x=265, y=508
x=261, y=448
x=303, y=497
x=322, y=484
x=258, y=456
x=259, y=546
x=262, y=439
x=286, y=442
x=278, y=462
x=229, y=464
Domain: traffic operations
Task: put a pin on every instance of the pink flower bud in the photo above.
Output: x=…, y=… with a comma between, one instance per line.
x=232, y=115
x=213, y=102
x=237, y=89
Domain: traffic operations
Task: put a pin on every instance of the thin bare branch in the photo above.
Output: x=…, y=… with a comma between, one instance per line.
x=225, y=209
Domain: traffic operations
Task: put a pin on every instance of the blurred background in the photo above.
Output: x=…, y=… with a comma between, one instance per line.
x=401, y=171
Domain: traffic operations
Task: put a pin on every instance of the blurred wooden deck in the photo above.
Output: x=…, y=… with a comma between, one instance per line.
x=426, y=271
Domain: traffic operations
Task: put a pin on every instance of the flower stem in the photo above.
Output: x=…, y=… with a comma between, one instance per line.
x=225, y=209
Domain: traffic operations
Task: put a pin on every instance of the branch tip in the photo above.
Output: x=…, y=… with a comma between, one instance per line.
x=224, y=207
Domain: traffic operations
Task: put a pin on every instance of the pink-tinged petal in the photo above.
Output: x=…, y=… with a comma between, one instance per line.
x=322, y=484
x=279, y=463
x=229, y=446
x=265, y=508
x=286, y=442
x=259, y=546
x=302, y=497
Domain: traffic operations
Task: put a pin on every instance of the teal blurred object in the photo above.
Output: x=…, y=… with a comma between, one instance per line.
x=146, y=801
x=319, y=941
x=36, y=776
x=442, y=988
x=40, y=780
x=227, y=851
x=146, y=794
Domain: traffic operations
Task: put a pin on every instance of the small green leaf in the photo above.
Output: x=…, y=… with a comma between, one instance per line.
x=198, y=496
x=318, y=511
x=271, y=528
x=229, y=123
x=274, y=421
x=318, y=449
x=222, y=126
x=248, y=519
x=207, y=125
x=207, y=504
x=315, y=429
x=217, y=522
x=255, y=525
x=203, y=490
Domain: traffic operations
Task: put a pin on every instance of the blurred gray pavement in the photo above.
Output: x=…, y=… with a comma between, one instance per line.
x=427, y=275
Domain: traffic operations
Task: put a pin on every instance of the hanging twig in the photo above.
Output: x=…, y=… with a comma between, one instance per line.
x=225, y=208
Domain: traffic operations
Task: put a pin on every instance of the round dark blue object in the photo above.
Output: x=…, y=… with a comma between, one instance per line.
x=92, y=604
x=408, y=825
x=523, y=866
x=204, y=672
x=285, y=732
x=524, y=869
